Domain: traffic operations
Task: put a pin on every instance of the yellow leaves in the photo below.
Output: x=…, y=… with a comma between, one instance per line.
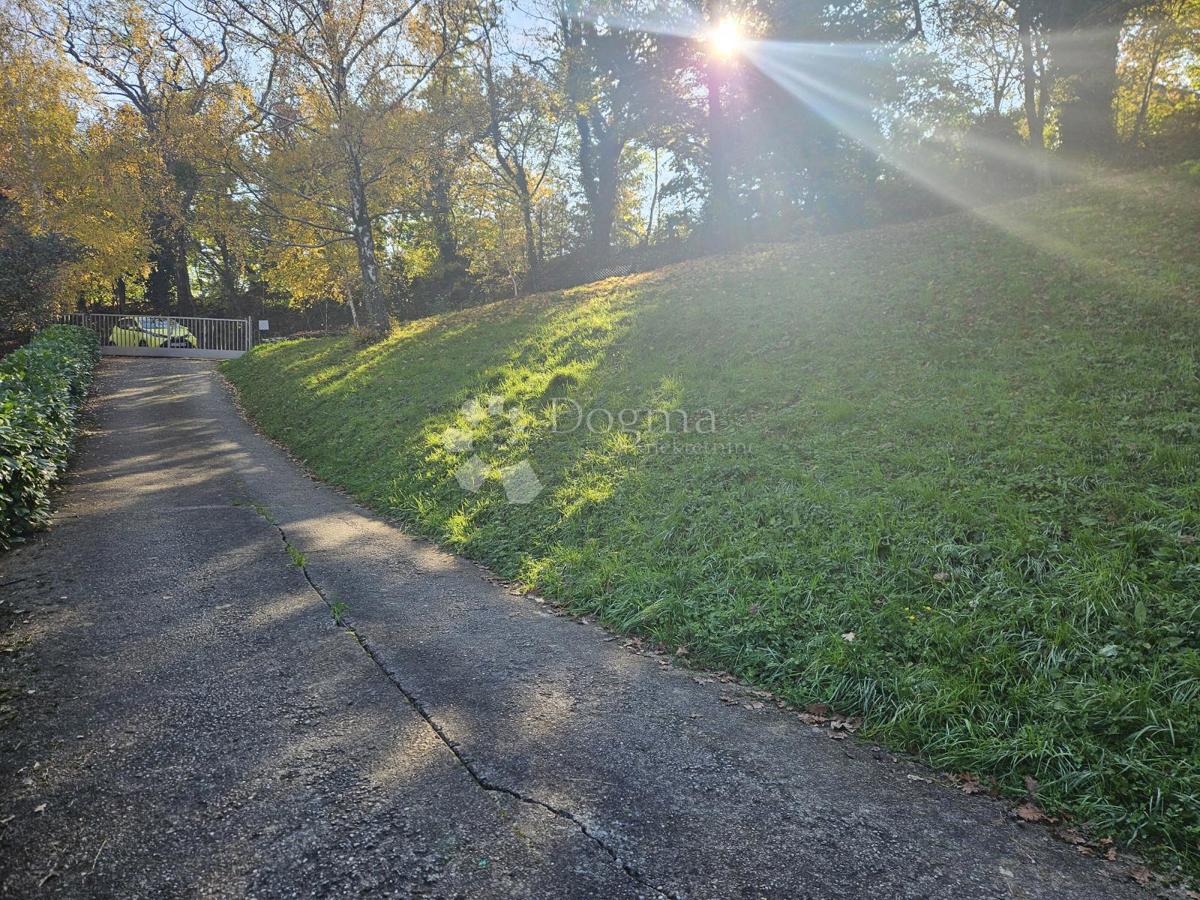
x=84, y=180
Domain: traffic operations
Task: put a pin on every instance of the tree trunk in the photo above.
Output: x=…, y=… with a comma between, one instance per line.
x=604, y=202
x=1087, y=58
x=1144, y=106
x=374, y=306
x=718, y=173
x=654, y=192
x=183, y=277
x=531, y=253
x=599, y=158
x=227, y=278
x=541, y=235
x=162, y=266
x=603, y=212
x=455, y=278
x=1034, y=115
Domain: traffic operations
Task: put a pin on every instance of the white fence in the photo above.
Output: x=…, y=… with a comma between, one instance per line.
x=152, y=335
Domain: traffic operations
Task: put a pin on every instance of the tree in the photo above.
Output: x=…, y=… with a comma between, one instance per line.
x=1083, y=37
x=613, y=79
x=522, y=134
x=1153, y=74
x=77, y=183
x=455, y=112
x=33, y=267
x=169, y=68
x=338, y=75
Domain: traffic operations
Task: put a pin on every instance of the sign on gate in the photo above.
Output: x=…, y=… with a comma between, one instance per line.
x=154, y=335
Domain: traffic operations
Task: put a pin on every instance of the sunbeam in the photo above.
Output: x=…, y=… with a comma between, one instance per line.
x=855, y=117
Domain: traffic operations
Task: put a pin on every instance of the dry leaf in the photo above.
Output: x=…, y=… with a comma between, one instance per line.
x=969, y=784
x=40, y=808
x=1027, y=812
x=1141, y=875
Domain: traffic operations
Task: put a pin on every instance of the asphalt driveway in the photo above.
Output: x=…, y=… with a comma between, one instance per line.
x=183, y=716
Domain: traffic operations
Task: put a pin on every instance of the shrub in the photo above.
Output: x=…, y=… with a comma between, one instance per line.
x=32, y=271
x=41, y=388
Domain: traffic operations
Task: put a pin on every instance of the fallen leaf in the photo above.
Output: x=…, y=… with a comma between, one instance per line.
x=40, y=808
x=1027, y=812
x=848, y=637
x=1141, y=875
x=1031, y=785
x=941, y=576
x=817, y=709
x=682, y=651
x=969, y=784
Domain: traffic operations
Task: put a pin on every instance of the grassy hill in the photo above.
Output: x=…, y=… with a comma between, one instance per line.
x=950, y=481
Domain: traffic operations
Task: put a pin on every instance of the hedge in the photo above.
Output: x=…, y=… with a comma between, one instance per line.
x=41, y=388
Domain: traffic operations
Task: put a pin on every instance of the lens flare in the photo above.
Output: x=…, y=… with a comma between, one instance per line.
x=725, y=39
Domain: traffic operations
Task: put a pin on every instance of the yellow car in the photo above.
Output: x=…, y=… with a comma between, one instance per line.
x=150, y=331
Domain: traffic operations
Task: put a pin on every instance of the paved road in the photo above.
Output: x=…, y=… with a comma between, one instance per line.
x=190, y=720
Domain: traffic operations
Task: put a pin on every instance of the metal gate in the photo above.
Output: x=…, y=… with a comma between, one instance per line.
x=152, y=335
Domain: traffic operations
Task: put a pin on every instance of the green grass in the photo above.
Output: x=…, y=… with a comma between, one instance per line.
x=338, y=609
x=979, y=457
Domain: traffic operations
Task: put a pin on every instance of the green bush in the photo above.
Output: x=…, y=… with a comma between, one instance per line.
x=41, y=388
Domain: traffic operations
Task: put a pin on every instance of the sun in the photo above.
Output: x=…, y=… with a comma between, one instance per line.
x=725, y=39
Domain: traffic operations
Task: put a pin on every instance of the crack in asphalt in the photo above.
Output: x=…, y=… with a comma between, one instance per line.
x=415, y=702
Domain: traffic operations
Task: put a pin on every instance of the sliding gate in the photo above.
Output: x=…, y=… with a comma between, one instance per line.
x=191, y=336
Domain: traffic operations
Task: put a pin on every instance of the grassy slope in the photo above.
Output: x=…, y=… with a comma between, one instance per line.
x=980, y=458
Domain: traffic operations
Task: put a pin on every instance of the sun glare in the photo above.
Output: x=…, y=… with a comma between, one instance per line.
x=725, y=39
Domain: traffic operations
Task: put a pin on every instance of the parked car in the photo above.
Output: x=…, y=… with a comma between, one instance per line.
x=150, y=331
